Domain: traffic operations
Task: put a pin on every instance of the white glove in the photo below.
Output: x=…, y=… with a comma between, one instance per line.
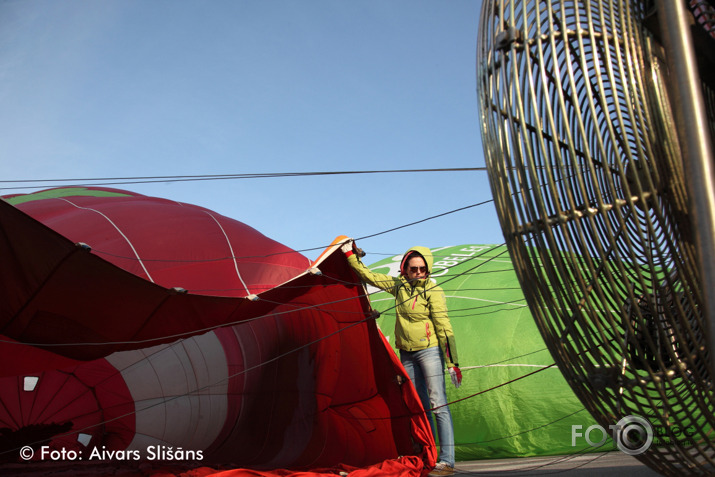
x=456, y=374
x=347, y=246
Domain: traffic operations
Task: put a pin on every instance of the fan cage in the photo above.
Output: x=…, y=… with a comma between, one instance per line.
x=587, y=177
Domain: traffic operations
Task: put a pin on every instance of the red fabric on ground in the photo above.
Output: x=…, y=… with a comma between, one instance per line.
x=311, y=381
x=403, y=466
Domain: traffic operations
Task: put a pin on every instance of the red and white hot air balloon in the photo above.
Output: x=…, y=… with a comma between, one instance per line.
x=149, y=329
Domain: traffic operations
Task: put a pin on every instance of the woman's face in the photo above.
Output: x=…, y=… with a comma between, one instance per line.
x=416, y=269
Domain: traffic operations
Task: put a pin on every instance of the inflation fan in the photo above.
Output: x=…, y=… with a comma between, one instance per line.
x=597, y=121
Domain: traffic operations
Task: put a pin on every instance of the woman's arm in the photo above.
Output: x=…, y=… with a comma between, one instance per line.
x=379, y=280
x=442, y=325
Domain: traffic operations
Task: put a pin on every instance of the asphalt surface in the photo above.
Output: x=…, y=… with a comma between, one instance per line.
x=611, y=464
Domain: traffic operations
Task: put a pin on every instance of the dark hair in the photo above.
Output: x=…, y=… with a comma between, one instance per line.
x=406, y=258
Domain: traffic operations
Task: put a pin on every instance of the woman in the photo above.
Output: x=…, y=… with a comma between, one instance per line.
x=423, y=334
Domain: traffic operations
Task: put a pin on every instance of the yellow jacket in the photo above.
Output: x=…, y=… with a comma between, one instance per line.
x=421, y=308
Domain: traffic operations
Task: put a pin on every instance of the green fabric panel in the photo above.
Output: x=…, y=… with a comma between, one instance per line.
x=68, y=192
x=498, y=342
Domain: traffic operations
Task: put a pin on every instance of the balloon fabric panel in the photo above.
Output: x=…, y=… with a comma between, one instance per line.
x=299, y=378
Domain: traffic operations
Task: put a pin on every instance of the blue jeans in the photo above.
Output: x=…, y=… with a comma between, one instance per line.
x=426, y=371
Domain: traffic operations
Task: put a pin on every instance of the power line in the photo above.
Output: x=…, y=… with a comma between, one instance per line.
x=180, y=335
x=312, y=249
x=424, y=220
x=168, y=399
x=96, y=181
x=318, y=306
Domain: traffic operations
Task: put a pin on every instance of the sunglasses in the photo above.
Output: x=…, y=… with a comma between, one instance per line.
x=416, y=269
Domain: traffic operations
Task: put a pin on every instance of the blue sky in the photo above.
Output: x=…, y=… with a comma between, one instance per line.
x=123, y=88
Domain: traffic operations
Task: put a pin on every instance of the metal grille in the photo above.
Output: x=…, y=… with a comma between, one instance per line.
x=587, y=177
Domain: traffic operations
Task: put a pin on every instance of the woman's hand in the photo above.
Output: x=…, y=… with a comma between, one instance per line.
x=456, y=374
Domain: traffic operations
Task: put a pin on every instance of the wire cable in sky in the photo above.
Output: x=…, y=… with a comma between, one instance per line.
x=104, y=181
x=321, y=247
x=424, y=220
x=275, y=358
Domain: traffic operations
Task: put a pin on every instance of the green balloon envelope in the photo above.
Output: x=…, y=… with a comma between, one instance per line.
x=513, y=401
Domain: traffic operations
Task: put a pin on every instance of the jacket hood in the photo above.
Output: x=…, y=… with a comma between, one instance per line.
x=424, y=252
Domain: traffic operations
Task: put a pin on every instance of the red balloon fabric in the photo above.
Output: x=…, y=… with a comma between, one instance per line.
x=140, y=329
x=166, y=242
